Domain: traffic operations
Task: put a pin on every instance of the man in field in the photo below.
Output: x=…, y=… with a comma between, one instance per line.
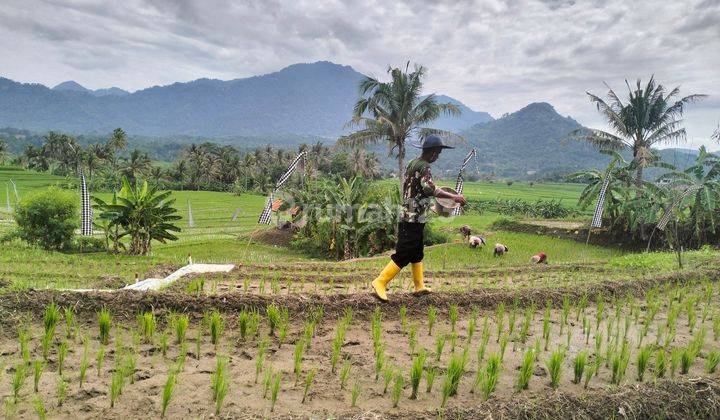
x=418, y=191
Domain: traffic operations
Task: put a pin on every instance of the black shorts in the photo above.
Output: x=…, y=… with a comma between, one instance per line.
x=409, y=246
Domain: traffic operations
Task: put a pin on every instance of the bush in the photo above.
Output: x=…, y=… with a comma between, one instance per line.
x=86, y=244
x=48, y=218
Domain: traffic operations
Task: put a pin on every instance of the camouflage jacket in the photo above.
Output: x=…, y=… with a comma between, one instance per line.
x=418, y=191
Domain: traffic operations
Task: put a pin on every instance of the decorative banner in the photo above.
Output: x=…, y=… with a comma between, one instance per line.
x=662, y=223
x=235, y=215
x=597, y=217
x=267, y=211
x=86, y=214
x=191, y=220
x=459, y=183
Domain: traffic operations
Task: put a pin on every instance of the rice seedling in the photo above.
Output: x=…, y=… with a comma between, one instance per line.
x=196, y=286
x=217, y=326
x=180, y=324
x=620, y=362
x=455, y=370
x=84, y=363
x=403, y=317
x=412, y=338
x=344, y=373
x=70, y=329
x=267, y=380
x=472, y=323
x=62, y=387
x=660, y=363
x=164, y=343
x=712, y=361
x=453, y=314
x=643, y=357
x=117, y=383
x=198, y=342
x=554, y=366
x=23, y=339
x=527, y=367
x=38, y=367
x=308, y=383
x=46, y=344
x=500, y=318
x=579, y=364
x=581, y=306
x=512, y=316
x=503, y=346
x=716, y=326
x=388, y=375
x=274, y=390
x=297, y=358
x=99, y=359
x=491, y=375
x=600, y=310
x=168, y=390
x=416, y=371
x=147, y=325
x=61, y=355
x=589, y=373
x=39, y=407
x=527, y=322
x=379, y=360
x=337, y=343
x=432, y=317
x=128, y=367
x=586, y=330
x=687, y=358
x=430, y=376
x=18, y=380
x=397, y=390
x=376, y=327
x=51, y=317
x=675, y=356
x=219, y=382
x=273, y=316
x=260, y=360
x=104, y=322
x=355, y=394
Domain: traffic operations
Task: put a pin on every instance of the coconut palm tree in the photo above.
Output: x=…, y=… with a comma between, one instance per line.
x=3, y=151
x=135, y=165
x=651, y=116
x=395, y=112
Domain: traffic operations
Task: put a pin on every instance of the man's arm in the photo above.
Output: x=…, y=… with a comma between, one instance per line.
x=458, y=198
x=429, y=187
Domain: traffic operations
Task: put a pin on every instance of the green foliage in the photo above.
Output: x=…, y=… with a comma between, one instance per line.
x=554, y=366
x=579, y=366
x=216, y=327
x=539, y=209
x=38, y=367
x=416, y=371
x=219, y=382
x=308, y=383
x=432, y=316
x=660, y=363
x=355, y=393
x=141, y=213
x=344, y=373
x=397, y=389
x=48, y=218
x=643, y=357
x=168, y=390
x=490, y=375
x=712, y=361
x=527, y=367
x=274, y=390
x=104, y=321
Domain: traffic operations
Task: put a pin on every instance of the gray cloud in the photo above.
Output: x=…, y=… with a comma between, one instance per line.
x=494, y=55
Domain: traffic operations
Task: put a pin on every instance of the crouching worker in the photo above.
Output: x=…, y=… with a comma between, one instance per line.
x=418, y=191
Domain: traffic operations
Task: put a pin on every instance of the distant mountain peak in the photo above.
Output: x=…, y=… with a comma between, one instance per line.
x=71, y=86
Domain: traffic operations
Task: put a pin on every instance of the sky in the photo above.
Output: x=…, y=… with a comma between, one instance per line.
x=494, y=56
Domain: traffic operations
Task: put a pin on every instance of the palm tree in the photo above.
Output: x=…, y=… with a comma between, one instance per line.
x=650, y=117
x=703, y=179
x=395, y=112
x=135, y=165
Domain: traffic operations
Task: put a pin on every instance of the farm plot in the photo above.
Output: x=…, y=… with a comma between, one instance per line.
x=652, y=350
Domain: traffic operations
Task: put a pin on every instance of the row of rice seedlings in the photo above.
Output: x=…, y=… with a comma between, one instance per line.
x=340, y=330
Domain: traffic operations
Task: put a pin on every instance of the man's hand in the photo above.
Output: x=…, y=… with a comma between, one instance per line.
x=460, y=199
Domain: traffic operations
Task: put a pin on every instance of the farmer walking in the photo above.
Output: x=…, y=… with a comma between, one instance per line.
x=418, y=191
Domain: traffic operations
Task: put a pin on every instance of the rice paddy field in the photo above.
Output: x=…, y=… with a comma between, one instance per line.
x=596, y=333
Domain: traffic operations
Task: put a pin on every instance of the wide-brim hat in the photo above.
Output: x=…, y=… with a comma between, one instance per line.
x=432, y=142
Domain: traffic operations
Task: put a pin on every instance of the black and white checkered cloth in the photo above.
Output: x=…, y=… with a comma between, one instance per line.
x=265, y=216
x=597, y=217
x=662, y=223
x=191, y=219
x=86, y=214
x=459, y=182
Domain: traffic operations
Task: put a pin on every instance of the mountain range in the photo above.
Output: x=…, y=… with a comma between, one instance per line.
x=300, y=103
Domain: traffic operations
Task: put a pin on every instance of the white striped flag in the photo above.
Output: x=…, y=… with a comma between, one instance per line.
x=597, y=217
x=86, y=214
x=459, y=182
x=265, y=216
x=662, y=223
x=191, y=220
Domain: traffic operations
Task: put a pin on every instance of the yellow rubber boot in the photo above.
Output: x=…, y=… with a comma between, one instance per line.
x=417, y=272
x=379, y=285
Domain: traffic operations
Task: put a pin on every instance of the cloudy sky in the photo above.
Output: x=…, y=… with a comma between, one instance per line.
x=493, y=55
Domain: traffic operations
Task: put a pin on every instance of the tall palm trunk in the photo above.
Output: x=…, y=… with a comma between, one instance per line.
x=401, y=162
